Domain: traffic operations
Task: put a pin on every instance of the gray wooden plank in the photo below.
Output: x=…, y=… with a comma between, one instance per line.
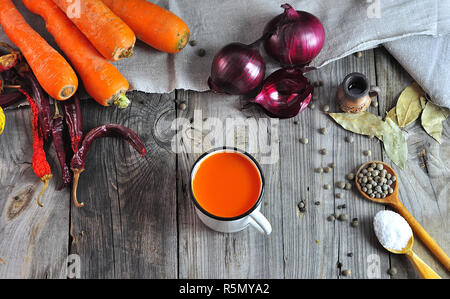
x=127, y=228
x=204, y=253
x=424, y=184
x=314, y=246
x=33, y=240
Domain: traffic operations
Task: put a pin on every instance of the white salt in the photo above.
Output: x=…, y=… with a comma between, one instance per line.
x=392, y=230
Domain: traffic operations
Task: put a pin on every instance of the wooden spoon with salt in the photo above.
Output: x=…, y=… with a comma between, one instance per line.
x=394, y=201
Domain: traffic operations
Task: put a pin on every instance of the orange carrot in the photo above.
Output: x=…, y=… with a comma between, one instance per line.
x=53, y=72
x=101, y=79
x=152, y=24
x=106, y=31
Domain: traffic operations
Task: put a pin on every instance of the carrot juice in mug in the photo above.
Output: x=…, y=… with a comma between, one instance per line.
x=227, y=184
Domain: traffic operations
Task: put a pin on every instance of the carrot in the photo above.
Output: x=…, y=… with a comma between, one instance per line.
x=152, y=24
x=106, y=31
x=101, y=79
x=53, y=72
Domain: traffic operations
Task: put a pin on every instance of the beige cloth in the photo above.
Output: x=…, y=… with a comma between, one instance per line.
x=351, y=25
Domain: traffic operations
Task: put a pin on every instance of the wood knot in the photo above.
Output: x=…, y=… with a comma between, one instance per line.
x=20, y=201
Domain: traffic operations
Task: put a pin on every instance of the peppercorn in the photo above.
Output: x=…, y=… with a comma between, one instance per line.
x=304, y=140
x=350, y=176
x=323, y=131
x=346, y=272
x=323, y=151
x=327, y=169
x=326, y=186
x=392, y=271
x=319, y=170
x=201, y=52
x=331, y=218
x=367, y=152
x=349, y=139
x=193, y=43
x=326, y=108
x=343, y=217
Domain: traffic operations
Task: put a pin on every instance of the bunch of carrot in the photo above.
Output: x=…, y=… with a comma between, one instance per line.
x=90, y=33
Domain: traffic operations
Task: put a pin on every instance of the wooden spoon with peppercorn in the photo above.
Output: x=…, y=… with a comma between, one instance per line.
x=391, y=198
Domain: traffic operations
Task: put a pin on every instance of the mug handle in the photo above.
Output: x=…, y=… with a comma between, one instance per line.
x=260, y=222
x=374, y=91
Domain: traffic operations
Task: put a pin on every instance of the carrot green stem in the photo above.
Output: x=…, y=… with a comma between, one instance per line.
x=121, y=101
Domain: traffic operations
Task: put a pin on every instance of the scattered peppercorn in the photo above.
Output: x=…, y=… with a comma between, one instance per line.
x=331, y=218
x=350, y=254
x=340, y=185
x=326, y=186
x=355, y=222
x=348, y=186
x=295, y=122
x=326, y=108
x=350, y=176
x=332, y=165
x=327, y=169
x=317, y=203
x=367, y=153
x=319, y=170
x=358, y=54
x=343, y=217
x=346, y=272
x=339, y=195
x=392, y=271
x=349, y=139
x=201, y=52
x=375, y=104
x=312, y=106
x=323, y=151
x=323, y=131
x=193, y=43
x=304, y=140
x=182, y=106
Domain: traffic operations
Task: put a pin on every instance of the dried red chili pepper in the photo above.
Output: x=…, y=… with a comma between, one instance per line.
x=74, y=120
x=58, y=140
x=79, y=159
x=43, y=103
x=10, y=60
x=40, y=165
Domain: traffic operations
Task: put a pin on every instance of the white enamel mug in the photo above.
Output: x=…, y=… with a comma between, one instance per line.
x=252, y=217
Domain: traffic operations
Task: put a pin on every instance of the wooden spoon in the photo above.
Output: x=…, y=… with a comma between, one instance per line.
x=424, y=270
x=394, y=201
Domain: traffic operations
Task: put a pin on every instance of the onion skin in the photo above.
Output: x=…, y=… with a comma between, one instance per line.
x=237, y=69
x=295, y=38
x=285, y=93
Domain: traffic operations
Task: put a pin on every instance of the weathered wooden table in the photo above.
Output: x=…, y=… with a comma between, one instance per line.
x=139, y=221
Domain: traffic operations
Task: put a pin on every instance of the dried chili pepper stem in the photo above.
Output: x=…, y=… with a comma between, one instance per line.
x=40, y=165
x=76, y=178
x=79, y=158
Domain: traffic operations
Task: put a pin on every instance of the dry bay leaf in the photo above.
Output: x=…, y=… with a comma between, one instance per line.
x=364, y=123
x=409, y=105
x=395, y=144
x=392, y=114
x=432, y=118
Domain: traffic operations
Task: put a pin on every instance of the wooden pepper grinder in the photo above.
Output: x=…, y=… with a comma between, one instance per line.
x=354, y=95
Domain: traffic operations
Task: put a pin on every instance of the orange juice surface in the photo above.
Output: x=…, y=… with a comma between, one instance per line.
x=227, y=184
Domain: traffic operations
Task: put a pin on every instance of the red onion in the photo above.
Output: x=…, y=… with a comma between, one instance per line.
x=295, y=37
x=285, y=93
x=237, y=69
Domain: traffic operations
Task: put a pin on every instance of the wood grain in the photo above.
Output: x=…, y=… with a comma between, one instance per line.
x=424, y=184
x=207, y=254
x=315, y=246
x=33, y=240
x=139, y=221
x=127, y=228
